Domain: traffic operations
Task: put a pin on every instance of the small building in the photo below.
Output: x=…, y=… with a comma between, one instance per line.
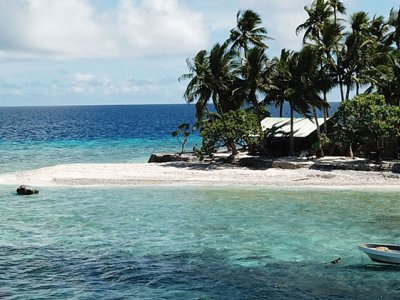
x=278, y=132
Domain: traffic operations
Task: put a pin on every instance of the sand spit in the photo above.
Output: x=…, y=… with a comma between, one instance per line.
x=181, y=173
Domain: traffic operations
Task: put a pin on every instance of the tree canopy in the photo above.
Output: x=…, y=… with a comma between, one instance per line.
x=359, y=58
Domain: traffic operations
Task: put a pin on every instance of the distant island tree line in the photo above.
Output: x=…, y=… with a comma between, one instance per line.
x=241, y=81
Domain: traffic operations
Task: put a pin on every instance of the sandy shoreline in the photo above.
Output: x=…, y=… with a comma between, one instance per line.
x=197, y=174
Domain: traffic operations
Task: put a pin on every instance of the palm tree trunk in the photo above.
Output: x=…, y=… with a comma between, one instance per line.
x=218, y=107
x=230, y=144
x=319, y=152
x=256, y=106
x=281, y=109
x=325, y=112
x=232, y=147
x=348, y=92
x=350, y=151
x=341, y=87
x=291, y=136
x=334, y=15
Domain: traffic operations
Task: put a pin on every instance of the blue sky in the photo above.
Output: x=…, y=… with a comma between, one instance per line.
x=78, y=52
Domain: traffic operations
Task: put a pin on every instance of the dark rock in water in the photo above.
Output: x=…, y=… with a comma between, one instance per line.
x=167, y=157
x=23, y=190
x=336, y=261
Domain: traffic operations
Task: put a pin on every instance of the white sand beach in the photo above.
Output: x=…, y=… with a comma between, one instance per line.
x=180, y=173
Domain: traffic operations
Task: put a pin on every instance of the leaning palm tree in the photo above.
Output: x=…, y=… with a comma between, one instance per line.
x=225, y=82
x=248, y=31
x=213, y=76
x=199, y=88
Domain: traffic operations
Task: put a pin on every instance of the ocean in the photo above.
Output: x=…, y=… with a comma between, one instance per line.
x=163, y=242
x=32, y=137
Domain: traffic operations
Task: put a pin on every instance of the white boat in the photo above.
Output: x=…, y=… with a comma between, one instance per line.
x=383, y=253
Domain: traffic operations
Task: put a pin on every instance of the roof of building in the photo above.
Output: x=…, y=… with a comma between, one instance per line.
x=303, y=127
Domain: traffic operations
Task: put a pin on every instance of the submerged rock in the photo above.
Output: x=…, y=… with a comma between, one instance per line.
x=24, y=190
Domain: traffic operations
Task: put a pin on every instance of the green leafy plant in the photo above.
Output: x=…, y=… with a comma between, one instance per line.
x=237, y=128
x=182, y=134
x=363, y=120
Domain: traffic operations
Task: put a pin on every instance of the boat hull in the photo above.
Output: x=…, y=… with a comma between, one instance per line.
x=382, y=253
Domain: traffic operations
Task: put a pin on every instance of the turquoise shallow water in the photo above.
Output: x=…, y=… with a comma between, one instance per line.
x=36, y=154
x=195, y=243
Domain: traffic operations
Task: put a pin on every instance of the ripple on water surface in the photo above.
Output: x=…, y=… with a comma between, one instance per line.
x=188, y=243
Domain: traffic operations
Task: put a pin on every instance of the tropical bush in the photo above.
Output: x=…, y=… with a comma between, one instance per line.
x=182, y=133
x=363, y=120
x=237, y=128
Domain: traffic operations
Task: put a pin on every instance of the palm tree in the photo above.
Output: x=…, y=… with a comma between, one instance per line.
x=310, y=83
x=213, y=76
x=327, y=48
x=279, y=79
x=386, y=79
x=394, y=21
x=338, y=7
x=287, y=86
x=199, y=88
x=226, y=84
x=297, y=80
x=256, y=75
x=248, y=31
x=319, y=13
x=379, y=29
x=356, y=54
x=291, y=94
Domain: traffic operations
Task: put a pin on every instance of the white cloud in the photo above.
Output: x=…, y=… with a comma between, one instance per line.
x=83, y=83
x=80, y=77
x=276, y=5
x=159, y=26
x=89, y=84
x=75, y=29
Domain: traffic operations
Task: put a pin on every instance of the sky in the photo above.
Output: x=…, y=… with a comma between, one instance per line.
x=94, y=52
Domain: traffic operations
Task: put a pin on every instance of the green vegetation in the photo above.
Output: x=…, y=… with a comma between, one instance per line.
x=361, y=57
x=182, y=134
x=238, y=127
x=360, y=122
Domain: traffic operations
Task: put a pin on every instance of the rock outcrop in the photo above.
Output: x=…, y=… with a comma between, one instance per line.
x=23, y=190
x=168, y=157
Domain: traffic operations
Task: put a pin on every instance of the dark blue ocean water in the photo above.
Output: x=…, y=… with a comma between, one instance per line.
x=87, y=123
x=32, y=137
